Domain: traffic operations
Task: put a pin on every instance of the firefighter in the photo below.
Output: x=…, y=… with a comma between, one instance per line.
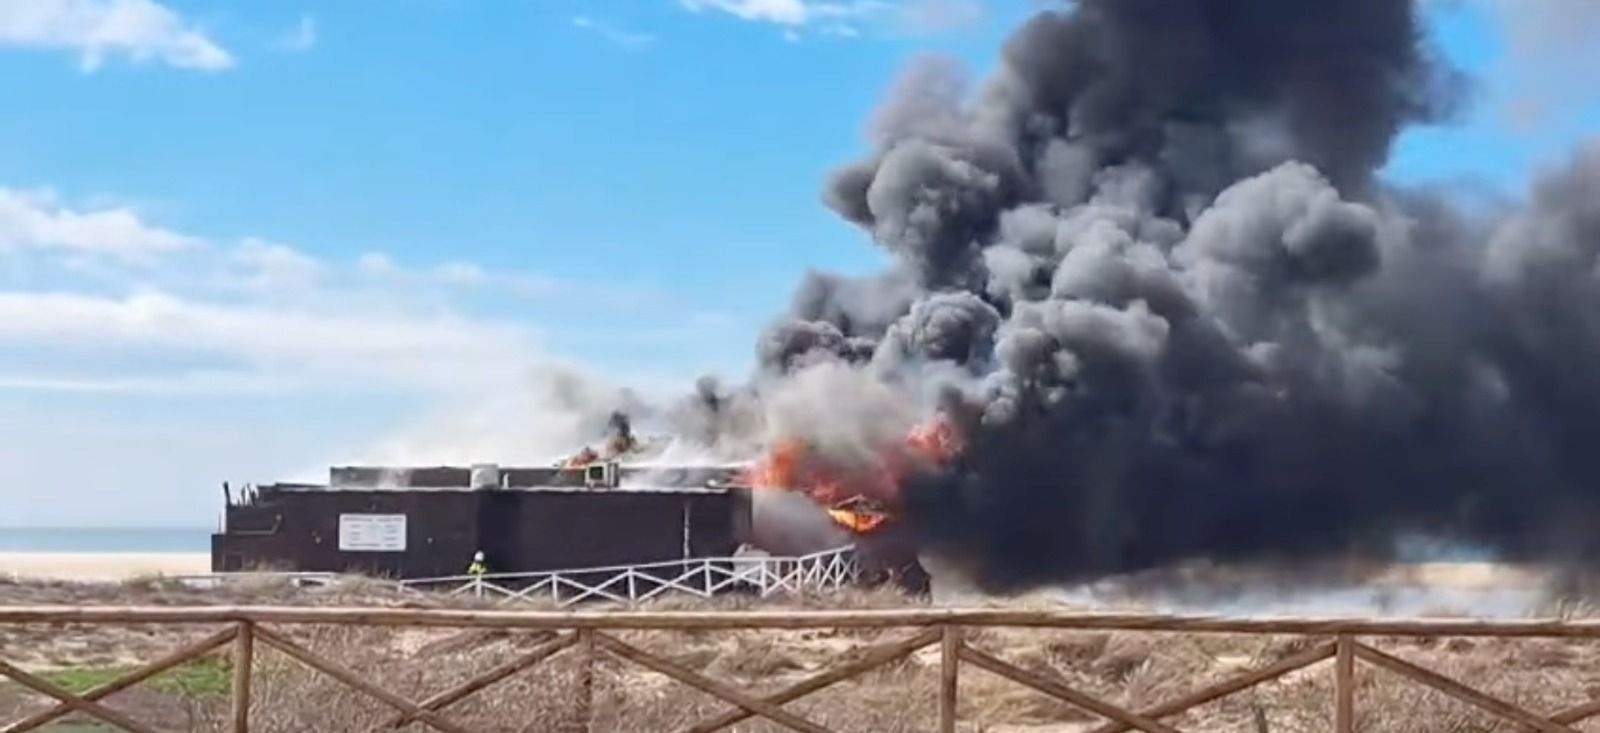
x=477, y=569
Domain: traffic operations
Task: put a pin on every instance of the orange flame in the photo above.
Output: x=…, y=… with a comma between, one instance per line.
x=936, y=441
x=859, y=522
x=794, y=465
x=582, y=458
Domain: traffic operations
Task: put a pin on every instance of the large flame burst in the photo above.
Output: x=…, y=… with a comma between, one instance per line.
x=860, y=496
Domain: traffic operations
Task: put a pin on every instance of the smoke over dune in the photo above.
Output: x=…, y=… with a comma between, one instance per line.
x=1149, y=271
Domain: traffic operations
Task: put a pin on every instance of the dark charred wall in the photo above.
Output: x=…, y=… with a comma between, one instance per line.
x=518, y=531
x=299, y=530
x=585, y=530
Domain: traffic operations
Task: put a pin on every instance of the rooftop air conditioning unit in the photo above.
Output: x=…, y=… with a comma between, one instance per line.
x=600, y=475
x=485, y=476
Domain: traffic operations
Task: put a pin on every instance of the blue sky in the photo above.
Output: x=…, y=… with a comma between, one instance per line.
x=240, y=240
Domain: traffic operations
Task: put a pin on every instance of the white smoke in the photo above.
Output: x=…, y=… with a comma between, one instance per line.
x=842, y=411
x=555, y=411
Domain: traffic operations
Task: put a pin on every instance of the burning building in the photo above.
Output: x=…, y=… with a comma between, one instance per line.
x=861, y=496
x=582, y=513
x=428, y=522
x=1151, y=272
x=1151, y=289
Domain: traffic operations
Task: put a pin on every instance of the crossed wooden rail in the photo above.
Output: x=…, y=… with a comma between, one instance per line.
x=587, y=632
x=630, y=585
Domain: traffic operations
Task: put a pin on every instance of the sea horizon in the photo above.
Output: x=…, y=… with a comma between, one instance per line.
x=105, y=539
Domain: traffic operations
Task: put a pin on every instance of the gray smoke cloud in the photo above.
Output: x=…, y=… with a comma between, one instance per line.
x=1176, y=315
x=953, y=327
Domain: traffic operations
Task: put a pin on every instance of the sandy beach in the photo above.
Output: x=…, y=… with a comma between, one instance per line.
x=100, y=566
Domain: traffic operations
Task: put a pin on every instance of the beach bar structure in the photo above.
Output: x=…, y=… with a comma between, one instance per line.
x=428, y=522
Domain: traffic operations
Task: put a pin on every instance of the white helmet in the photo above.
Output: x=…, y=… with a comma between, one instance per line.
x=477, y=556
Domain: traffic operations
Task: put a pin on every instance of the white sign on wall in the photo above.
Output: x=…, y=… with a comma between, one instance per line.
x=372, y=533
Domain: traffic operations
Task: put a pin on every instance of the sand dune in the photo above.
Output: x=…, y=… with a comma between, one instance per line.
x=100, y=566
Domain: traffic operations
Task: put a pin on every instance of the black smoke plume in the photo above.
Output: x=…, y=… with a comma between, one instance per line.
x=1181, y=317
x=620, y=438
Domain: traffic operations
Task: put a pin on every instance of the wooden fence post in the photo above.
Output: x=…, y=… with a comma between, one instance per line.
x=584, y=722
x=949, y=669
x=1344, y=686
x=243, y=659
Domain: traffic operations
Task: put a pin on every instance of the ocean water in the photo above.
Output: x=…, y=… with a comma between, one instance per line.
x=35, y=539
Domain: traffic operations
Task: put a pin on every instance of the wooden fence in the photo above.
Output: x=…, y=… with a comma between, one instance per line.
x=591, y=633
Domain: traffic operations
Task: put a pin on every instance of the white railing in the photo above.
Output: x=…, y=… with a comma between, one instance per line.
x=760, y=575
x=632, y=584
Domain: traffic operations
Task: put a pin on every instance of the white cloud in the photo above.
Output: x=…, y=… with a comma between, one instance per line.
x=376, y=264
x=36, y=219
x=141, y=30
x=256, y=315
x=848, y=18
x=303, y=37
x=785, y=12
x=261, y=347
x=616, y=36
x=267, y=264
x=380, y=270
x=205, y=360
x=791, y=12
x=464, y=274
x=926, y=17
x=113, y=244
x=245, y=317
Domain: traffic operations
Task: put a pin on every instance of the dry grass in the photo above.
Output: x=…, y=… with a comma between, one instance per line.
x=1132, y=669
